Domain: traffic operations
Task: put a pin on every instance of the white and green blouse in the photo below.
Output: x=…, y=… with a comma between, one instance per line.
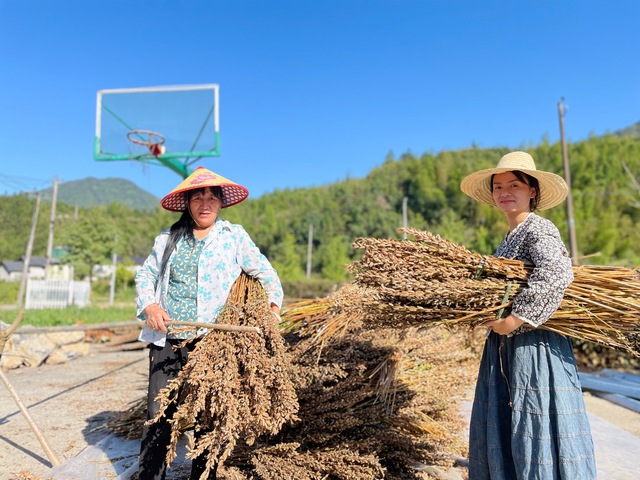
x=200, y=276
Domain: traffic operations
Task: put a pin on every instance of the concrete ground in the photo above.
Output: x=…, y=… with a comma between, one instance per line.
x=616, y=437
x=70, y=403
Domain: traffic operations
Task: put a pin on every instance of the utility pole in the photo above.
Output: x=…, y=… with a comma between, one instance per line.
x=404, y=216
x=309, y=249
x=573, y=244
x=27, y=255
x=114, y=264
x=52, y=220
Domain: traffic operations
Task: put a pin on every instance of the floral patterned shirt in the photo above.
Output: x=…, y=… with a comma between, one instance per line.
x=226, y=252
x=182, y=294
x=537, y=241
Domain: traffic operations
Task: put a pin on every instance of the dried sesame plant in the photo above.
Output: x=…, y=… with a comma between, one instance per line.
x=373, y=404
x=432, y=280
x=234, y=386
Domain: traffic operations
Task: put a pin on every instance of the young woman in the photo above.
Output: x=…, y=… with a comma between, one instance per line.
x=188, y=277
x=528, y=419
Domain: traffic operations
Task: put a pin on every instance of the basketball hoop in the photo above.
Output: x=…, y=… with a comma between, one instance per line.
x=154, y=141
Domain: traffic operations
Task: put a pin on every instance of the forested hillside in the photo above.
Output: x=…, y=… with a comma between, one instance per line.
x=606, y=211
x=95, y=191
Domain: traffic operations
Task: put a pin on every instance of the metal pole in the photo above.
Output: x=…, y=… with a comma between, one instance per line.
x=573, y=244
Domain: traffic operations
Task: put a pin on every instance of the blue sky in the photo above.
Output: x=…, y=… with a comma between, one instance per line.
x=313, y=92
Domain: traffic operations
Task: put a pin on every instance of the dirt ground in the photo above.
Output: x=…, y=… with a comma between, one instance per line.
x=70, y=402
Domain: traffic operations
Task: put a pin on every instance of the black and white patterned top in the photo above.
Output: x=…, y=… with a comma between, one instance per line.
x=537, y=240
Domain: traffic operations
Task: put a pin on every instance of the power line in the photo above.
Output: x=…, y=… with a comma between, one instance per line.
x=23, y=184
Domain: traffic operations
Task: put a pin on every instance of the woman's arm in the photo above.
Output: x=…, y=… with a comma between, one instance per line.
x=146, y=285
x=551, y=275
x=254, y=263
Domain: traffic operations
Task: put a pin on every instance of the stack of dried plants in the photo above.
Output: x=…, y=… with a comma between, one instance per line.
x=374, y=403
x=430, y=280
x=375, y=400
x=234, y=385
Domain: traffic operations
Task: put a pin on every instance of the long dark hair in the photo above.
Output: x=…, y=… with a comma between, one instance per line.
x=184, y=227
x=531, y=182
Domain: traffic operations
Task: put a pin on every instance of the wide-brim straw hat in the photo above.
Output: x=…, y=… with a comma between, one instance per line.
x=553, y=188
x=176, y=200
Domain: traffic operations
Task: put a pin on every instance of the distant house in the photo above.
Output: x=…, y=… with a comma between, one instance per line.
x=56, y=271
x=105, y=270
x=11, y=271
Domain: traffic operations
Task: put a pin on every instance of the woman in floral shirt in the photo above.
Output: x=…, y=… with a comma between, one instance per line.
x=188, y=277
x=528, y=419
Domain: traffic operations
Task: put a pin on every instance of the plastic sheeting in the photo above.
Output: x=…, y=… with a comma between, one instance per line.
x=114, y=458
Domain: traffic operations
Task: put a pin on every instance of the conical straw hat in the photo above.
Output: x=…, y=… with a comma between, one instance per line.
x=553, y=188
x=176, y=200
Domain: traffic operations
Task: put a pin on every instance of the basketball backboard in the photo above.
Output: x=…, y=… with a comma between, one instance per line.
x=174, y=126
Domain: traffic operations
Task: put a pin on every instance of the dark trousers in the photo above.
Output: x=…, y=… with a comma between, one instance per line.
x=164, y=365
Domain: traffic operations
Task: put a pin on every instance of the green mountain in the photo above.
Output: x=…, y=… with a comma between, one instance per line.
x=92, y=191
x=632, y=131
x=326, y=220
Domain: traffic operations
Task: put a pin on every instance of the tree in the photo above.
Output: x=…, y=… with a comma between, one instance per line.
x=90, y=241
x=333, y=256
x=286, y=260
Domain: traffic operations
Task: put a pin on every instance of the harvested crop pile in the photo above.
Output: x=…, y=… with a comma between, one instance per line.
x=372, y=404
x=431, y=281
x=376, y=404
x=378, y=370
x=234, y=385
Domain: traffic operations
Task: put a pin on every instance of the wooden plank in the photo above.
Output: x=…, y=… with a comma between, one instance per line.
x=608, y=385
x=124, y=338
x=621, y=400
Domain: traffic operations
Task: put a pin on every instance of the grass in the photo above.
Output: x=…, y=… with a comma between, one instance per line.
x=99, y=311
x=52, y=317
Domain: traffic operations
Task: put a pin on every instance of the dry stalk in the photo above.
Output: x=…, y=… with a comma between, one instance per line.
x=234, y=385
x=347, y=428
x=431, y=280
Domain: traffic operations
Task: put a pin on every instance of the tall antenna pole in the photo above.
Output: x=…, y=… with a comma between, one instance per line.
x=573, y=244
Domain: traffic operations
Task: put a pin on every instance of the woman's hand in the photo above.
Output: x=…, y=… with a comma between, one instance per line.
x=275, y=309
x=504, y=326
x=156, y=317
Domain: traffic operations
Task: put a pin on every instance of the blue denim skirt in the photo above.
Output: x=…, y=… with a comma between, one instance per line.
x=528, y=419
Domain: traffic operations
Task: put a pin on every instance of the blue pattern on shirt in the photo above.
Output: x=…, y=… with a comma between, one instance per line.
x=227, y=252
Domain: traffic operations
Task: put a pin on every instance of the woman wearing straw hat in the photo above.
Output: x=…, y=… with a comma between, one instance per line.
x=188, y=277
x=528, y=419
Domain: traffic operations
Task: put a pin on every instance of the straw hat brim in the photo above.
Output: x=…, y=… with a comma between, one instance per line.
x=176, y=200
x=553, y=188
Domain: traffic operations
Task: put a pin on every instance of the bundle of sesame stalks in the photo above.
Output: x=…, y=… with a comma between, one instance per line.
x=235, y=385
x=430, y=280
x=374, y=403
